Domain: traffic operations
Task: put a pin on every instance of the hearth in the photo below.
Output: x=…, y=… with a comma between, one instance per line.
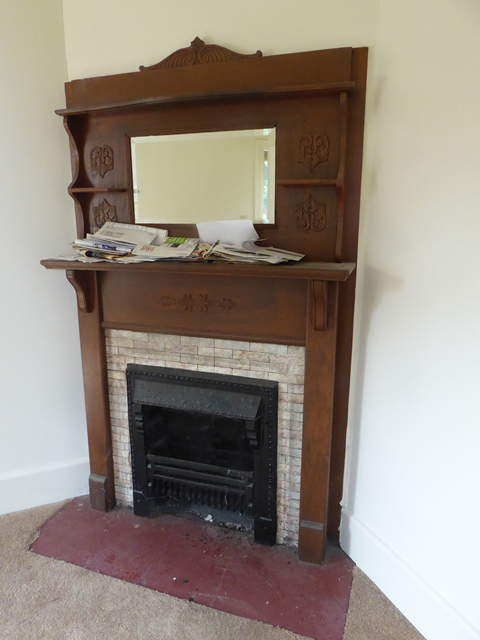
x=204, y=440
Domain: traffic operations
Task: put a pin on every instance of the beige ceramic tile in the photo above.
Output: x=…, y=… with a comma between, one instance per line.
x=249, y=360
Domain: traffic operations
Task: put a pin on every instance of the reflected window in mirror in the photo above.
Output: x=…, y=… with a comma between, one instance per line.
x=201, y=177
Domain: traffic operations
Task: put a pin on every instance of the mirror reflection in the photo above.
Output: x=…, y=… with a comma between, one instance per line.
x=201, y=177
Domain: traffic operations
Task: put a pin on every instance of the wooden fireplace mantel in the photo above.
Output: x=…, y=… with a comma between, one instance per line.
x=278, y=304
x=316, y=102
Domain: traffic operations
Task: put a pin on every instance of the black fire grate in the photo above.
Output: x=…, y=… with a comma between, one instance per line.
x=204, y=484
x=204, y=439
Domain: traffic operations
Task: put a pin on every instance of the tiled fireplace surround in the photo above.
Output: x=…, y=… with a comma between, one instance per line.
x=282, y=363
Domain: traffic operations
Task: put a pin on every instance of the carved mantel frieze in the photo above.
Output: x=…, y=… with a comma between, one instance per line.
x=189, y=302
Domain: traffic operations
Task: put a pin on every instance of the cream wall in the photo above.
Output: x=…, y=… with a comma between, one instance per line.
x=147, y=31
x=43, y=452
x=412, y=481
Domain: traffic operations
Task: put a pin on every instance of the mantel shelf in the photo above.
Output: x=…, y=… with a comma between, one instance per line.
x=332, y=271
x=185, y=95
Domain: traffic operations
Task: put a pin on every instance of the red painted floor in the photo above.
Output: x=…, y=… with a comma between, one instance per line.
x=204, y=563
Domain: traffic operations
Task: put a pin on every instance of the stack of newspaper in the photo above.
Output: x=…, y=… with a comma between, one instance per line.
x=128, y=243
x=116, y=239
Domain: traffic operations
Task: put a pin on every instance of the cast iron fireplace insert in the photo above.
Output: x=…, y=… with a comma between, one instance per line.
x=204, y=439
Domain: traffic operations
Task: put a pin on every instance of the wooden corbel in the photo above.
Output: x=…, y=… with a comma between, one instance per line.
x=84, y=284
x=320, y=305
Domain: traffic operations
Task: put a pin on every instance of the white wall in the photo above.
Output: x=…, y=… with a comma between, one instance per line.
x=43, y=454
x=412, y=483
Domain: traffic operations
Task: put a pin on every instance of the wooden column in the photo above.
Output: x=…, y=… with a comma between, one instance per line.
x=92, y=341
x=317, y=421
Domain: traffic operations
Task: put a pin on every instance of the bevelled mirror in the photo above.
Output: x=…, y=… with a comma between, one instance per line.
x=200, y=177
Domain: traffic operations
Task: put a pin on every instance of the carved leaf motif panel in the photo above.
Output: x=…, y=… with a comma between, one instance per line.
x=101, y=160
x=311, y=215
x=313, y=149
x=103, y=213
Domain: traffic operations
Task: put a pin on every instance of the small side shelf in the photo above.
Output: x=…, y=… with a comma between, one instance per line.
x=92, y=208
x=308, y=182
x=97, y=190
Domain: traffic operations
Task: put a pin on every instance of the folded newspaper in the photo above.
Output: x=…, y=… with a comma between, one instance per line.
x=248, y=251
x=119, y=238
x=127, y=243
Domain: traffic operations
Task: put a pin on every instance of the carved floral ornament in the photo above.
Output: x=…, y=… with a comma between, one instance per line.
x=311, y=215
x=103, y=213
x=101, y=160
x=313, y=150
x=189, y=302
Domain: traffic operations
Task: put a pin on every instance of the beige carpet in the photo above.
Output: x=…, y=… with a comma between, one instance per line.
x=45, y=599
x=371, y=616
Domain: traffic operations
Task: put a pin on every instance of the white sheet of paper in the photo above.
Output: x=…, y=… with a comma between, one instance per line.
x=228, y=231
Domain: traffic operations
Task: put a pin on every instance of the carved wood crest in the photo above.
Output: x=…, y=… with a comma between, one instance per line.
x=199, y=53
x=101, y=160
x=104, y=212
x=313, y=149
x=311, y=215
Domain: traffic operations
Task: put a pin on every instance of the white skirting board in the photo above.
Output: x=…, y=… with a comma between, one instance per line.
x=425, y=608
x=37, y=487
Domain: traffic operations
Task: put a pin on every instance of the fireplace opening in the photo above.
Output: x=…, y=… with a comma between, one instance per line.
x=204, y=443
x=204, y=438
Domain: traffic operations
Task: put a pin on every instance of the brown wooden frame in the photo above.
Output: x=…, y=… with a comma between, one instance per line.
x=316, y=100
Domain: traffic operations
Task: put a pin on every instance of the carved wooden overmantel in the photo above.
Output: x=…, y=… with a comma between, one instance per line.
x=315, y=100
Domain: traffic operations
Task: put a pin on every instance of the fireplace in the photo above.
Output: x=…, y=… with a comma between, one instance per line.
x=204, y=440
x=282, y=364
x=309, y=97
